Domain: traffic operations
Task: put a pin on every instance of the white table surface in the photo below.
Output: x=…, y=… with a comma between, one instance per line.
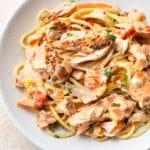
x=10, y=137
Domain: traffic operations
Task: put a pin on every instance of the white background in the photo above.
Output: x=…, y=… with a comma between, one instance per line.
x=10, y=137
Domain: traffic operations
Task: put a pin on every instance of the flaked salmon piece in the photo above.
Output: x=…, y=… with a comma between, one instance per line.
x=39, y=60
x=138, y=79
x=146, y=51
x=140, y=58
x=55, y=30
x=98, y=54
x=30, y=52
x=111, y=128
x=95, y=80
x=34, y=39
x=65, y=9
x=45, y=118
x=73, y=35
x=121, y=45
x=78, y=41
x=82, y=128
x=143, y=34
x=27, y=72
x=140, y=89
x=84, y=95
x=39, y=97
x=27, y=103
x=35, y=66
x=66, y=106
x=138, y=30
x=47, y=16
x=139, y=116
x=63, y=69
x=116, y=107
x=119, y=108
x=88, y=113
x=99, y=15
x=136, y=15
x=78, y=74
x=61, y=106
x=67, y=66
x=126, y=30
x=53, y=35
x=94, y=131
x=142, y=30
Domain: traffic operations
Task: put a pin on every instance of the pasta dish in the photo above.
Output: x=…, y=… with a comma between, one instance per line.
x=86, y=71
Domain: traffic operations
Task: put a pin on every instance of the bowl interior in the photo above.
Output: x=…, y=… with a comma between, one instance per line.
x=11, y=54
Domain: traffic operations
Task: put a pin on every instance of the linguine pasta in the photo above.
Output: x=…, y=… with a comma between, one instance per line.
x=86, y=70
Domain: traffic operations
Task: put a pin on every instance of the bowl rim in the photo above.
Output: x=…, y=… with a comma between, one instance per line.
x=2, y=99
x=19, y=6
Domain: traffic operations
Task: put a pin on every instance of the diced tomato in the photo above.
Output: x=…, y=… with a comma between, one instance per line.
x=128, y=32
x=90, y=20
x=19, y=81
x=39, y=97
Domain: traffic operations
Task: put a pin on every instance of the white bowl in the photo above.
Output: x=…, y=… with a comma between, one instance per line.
x=11, y=53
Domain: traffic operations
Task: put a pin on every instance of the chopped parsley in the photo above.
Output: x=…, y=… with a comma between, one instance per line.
x=72, y=1
x=52, y=27
x=52, y=126
x=69, y=34
x=90, y=128
x=56, y=136
x=125, y=77
x=107, y=111
x=115, y=105
x=54, y=78
x=97, y=96
x=43, y=84
x=98, y=46
x=114, y=20
x=108, y=30
x=111, y=37
x=108, y=72
x=69, y=89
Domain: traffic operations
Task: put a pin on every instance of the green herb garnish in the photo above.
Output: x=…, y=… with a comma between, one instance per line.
x=112, y=37
x=56, y=136
x=114, y=20
x=115, y=105
x=69, y=34
x=98, y=46
x=97, y=96
x=52, y=126
x=108, y=72
x=125, y=77
x=90, y=128
x=107, y=111
x=108, y=30
x=72, y=1
x=69, y=89
x=53, y=27
x=43, y=84
x=54, y=78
